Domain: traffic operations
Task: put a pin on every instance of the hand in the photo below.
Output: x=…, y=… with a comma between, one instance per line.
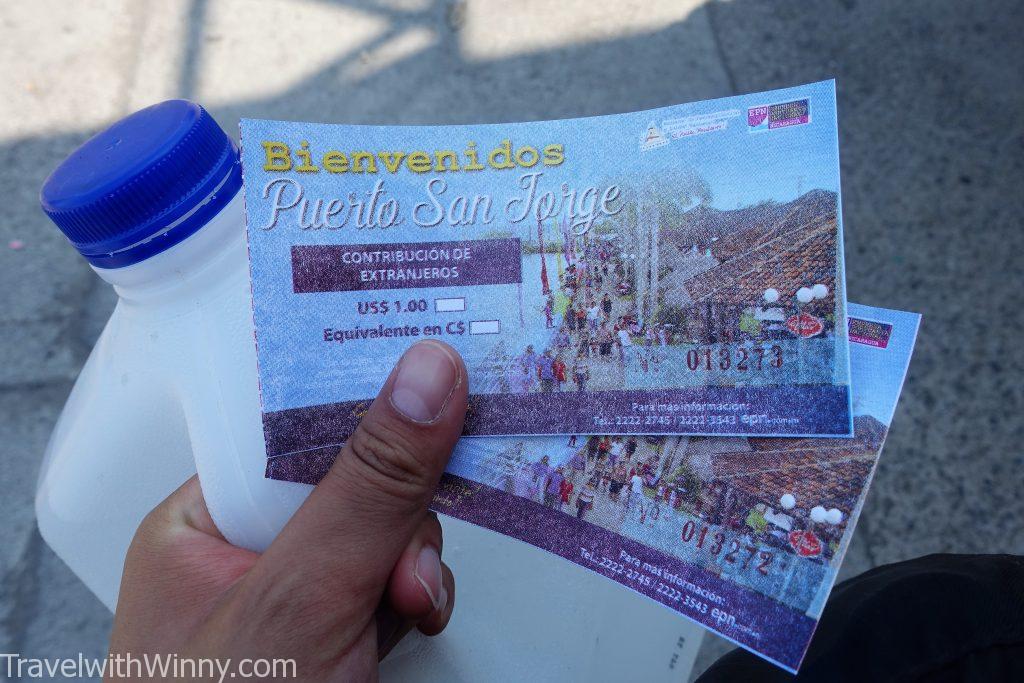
x=356, y=568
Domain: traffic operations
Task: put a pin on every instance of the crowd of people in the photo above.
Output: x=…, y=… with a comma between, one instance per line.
x=605, y=466
x=588, y=330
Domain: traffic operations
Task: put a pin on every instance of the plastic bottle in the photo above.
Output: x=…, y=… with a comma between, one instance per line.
x=170, y=388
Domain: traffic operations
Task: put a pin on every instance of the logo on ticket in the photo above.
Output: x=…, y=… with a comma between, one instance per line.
x=869, y=332
x=771, y=116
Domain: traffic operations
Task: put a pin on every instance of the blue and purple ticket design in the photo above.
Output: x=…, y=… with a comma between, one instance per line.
x=673, y=271
x=743, y=535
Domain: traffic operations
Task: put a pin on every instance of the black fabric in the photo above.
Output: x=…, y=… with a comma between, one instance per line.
x=937, y=619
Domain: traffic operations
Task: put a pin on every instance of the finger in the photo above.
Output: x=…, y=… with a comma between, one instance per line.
x=176, y=544
x=354, y=526
x=437, y=620
x=387, y=646
x=180, y=531
x=415, y=588
x=391, y=627
x=185, y=507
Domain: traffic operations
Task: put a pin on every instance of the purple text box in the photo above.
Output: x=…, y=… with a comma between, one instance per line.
x=358, y=267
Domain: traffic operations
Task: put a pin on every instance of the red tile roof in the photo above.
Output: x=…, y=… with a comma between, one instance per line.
x=837, y=484
x=803, y=256
x=828, y=472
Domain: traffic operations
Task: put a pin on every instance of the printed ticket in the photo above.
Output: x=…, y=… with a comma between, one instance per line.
x=671, y=271
x=743, y=535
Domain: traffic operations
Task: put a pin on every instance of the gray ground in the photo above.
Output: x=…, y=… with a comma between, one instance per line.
x=930, y=100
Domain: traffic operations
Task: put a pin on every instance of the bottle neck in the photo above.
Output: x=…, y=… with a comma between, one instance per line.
x=194, y=259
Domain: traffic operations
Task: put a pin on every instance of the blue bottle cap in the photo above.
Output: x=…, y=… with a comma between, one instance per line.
x=144, y=184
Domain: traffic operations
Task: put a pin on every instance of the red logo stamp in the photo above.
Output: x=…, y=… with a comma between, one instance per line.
x=805, y=325
x=805, y=543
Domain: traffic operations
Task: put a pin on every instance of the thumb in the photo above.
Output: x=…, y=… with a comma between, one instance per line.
x=342, y=544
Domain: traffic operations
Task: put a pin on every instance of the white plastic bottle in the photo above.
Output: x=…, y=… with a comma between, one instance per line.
x=170, y=388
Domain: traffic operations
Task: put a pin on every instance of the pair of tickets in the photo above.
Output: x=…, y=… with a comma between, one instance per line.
x=667, y=386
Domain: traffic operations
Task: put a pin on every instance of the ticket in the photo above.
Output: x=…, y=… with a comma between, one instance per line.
x=677, y=270
x=743, y=535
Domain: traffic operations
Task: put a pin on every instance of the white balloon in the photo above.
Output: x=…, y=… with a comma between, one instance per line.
x=834, y=516
x=819, y=291
x=818, y=514
x=771, y=295
x=804, y=295
x=787, y=501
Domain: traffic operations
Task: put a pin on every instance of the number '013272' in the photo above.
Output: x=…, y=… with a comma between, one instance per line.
x=746, y=555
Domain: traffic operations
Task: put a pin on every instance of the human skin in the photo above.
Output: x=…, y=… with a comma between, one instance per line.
x=355, y=569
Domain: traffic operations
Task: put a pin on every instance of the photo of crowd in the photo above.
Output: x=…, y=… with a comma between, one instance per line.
x=596, y=331
x=788, y=502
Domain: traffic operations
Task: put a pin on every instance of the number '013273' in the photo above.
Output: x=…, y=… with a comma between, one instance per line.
x=740, y=359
